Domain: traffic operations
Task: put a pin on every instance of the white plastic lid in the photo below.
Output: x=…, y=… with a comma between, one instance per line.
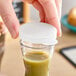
x=38, y=33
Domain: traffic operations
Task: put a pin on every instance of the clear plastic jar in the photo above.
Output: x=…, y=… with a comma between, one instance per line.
x=36, y=58
x=37, y=44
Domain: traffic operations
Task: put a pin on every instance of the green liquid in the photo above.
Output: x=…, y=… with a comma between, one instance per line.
x=36, y=64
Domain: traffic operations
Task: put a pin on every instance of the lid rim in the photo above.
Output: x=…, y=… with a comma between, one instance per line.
x=46, y=34
x=51, y=43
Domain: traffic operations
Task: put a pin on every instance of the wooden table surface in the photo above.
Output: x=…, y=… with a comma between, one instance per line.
x=12, y=64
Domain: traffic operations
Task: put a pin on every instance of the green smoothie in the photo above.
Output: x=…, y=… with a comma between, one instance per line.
x=36, y=64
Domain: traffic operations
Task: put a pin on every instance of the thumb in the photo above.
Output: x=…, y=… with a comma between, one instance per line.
x=9, y=17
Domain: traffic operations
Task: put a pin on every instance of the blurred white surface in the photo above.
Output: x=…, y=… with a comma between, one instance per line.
x=34, y=14
x=67, y=5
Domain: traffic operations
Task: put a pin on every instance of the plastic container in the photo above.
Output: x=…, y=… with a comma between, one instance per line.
x=37, y=44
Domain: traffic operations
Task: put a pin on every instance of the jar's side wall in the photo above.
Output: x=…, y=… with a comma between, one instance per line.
x=33, y=45
x=27, y=47
x=51, y=51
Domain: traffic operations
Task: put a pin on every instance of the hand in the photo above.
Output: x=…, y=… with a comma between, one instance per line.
x=50, y=11
x=9, y=17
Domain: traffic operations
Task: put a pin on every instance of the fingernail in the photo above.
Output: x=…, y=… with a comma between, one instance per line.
x=59, y=34
x=14, y=34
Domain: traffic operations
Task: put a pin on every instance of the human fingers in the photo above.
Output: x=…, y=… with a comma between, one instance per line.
x=51, y=14
x=9, y=17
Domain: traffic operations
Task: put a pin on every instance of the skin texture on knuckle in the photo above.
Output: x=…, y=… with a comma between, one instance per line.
x=6, y=17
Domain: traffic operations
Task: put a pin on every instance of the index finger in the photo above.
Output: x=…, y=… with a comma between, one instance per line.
x=9, y=17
